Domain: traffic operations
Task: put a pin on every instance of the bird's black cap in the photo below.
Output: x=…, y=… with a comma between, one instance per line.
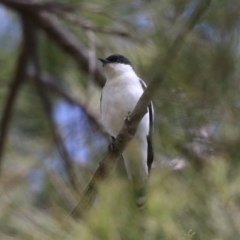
x=115, y=58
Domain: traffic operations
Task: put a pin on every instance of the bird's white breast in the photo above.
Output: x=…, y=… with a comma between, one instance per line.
x=119, y=97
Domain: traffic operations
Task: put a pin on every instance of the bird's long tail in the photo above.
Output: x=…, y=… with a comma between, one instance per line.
x=141, y=197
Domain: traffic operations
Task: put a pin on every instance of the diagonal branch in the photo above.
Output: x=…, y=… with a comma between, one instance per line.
x=88, y=25
x=33, y=5
x=130, y=127
x=68, y=12
x=104, y=12
x=51, y=82
x=31, y=42
x=68, y=162
x=68, y=42
x=19, y=77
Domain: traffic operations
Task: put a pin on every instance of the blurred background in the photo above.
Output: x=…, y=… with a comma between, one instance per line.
x=52, y=140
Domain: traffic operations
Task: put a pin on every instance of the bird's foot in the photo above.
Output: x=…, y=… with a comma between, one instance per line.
x=111, y=146
x=127, y=119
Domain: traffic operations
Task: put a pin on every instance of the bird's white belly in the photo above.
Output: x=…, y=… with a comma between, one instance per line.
x=116, y=105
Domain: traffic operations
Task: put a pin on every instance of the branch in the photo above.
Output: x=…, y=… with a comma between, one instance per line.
x=88, y=25
x=130, y=127
x=19, y=77
x=31, y=42
x=104, y=12
x=69, y=43
x=64, y=38
x=68, y=162
x=53, y=83
x=31, y=5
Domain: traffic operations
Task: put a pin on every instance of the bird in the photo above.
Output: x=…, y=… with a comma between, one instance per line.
x=120, y=94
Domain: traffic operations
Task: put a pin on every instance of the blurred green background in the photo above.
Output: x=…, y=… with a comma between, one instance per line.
x=54, y=139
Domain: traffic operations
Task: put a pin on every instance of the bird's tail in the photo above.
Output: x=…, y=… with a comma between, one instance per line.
x=141, y=197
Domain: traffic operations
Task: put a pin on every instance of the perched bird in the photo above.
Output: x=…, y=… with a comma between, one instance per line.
x=120, y=95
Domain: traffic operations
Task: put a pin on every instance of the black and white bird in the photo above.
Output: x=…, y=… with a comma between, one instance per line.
x=120, y=95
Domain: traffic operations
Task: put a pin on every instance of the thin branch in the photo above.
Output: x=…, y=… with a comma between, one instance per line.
x=130, y=127
x=108, y=14
x=51, y=82
x=88, y=25
x=68, y=162
x=31, y=41
x=92, y=62
x=172, y=52
x=56, y=6
x=69, y=43
x=62, y=189
x=19, y=77
x=31, y=5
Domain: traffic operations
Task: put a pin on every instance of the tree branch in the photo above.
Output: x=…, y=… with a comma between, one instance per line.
x=104, y=12
x=19, y=77
x=88, y=25
x=69, y=43
x=32, y=5
x=52, y=83
x=31, y=42
x=130, y=127
x=68, y=162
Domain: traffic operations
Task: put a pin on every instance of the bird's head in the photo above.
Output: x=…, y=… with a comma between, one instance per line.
x=115, y=65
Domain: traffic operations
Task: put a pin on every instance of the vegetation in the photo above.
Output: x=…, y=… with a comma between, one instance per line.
x=52, y=140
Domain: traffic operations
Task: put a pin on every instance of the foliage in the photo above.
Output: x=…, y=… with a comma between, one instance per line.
x=196, y=124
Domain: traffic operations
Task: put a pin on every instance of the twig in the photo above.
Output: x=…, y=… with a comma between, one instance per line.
x=91, y=64
x=19, y=77
x=31, y=41
x=130, y=127
x=108, y=14
x=62, y=189
x=68, y=162
x=31, y=5
x=51, y=82
x=69, y=43
x=88, y=25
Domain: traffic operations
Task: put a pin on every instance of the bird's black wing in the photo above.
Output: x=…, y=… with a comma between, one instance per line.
x=101, y=104
x=150, y=133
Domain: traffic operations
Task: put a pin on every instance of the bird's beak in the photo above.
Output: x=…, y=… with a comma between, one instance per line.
x=103, y=60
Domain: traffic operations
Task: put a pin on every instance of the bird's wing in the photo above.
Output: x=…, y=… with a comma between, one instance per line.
x=150, y=133
x=101, y=103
